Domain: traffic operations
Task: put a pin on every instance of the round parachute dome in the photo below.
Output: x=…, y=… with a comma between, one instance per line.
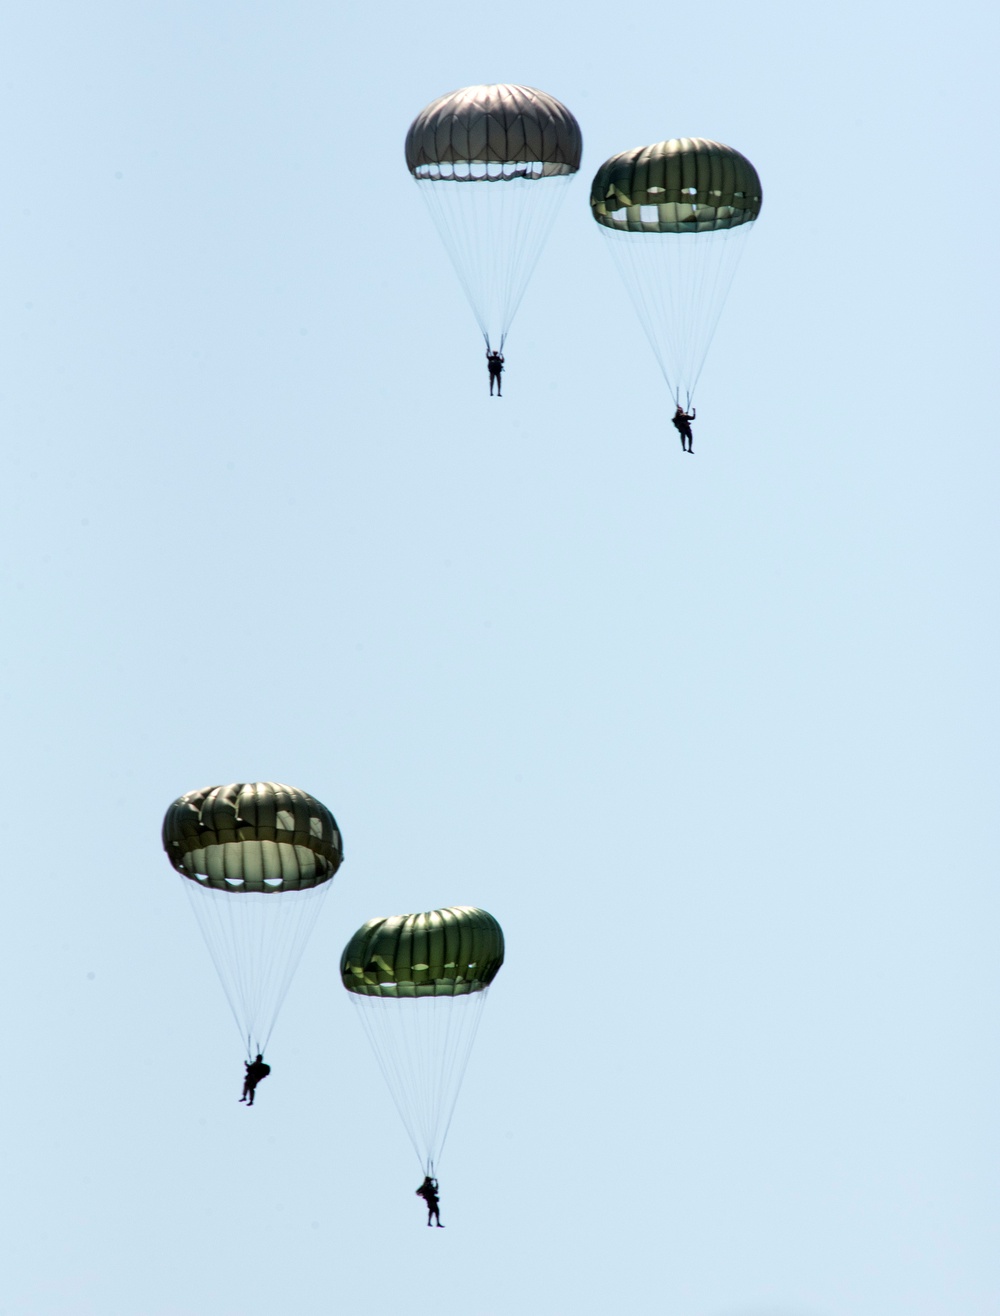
x=493, y=132
x=252, y=836
x=446, y=952
x=685, y=185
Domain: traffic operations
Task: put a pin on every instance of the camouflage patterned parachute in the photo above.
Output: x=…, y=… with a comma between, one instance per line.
x=492, y=163
x=676, y=215
x=419, y=982
x=257, y=858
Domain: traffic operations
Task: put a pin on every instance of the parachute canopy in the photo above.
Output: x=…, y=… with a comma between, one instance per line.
x=685, y=185
x=419, y=983
x=252, y=836
x=492, y=132
x=676, y=216
x=447, y=952
x=525, y=145
x=257, y=858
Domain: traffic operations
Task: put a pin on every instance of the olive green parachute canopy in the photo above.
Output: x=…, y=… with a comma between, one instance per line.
x=446, y=952
x=685, y=185
x=252, y=837
x=493, y=132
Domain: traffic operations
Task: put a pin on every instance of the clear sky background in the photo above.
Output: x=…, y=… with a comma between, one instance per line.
x=714, y=740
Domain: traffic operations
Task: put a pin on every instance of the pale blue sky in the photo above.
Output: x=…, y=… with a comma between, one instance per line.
x=727, y=727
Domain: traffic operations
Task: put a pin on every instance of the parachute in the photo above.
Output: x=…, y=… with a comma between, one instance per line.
x=257, y=858
x=677, y=215
x=492, y=163
x=419, y=982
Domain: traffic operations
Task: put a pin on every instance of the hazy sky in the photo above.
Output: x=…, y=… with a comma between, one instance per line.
x=714, y=740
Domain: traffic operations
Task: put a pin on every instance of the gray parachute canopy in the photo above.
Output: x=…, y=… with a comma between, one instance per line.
x=684, y=185
x=445, y=952
x=492, y=132
x=252, y=837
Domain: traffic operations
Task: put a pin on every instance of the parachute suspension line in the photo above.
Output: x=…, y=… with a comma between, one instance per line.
x=422, y=1046
x=256, y=940
x=489, y=345
x=678, y=283
x=715, y=280
x=457, y=1057
x=388, y=1053
x=527, y=214
x=494, y=230
x=643, y=290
